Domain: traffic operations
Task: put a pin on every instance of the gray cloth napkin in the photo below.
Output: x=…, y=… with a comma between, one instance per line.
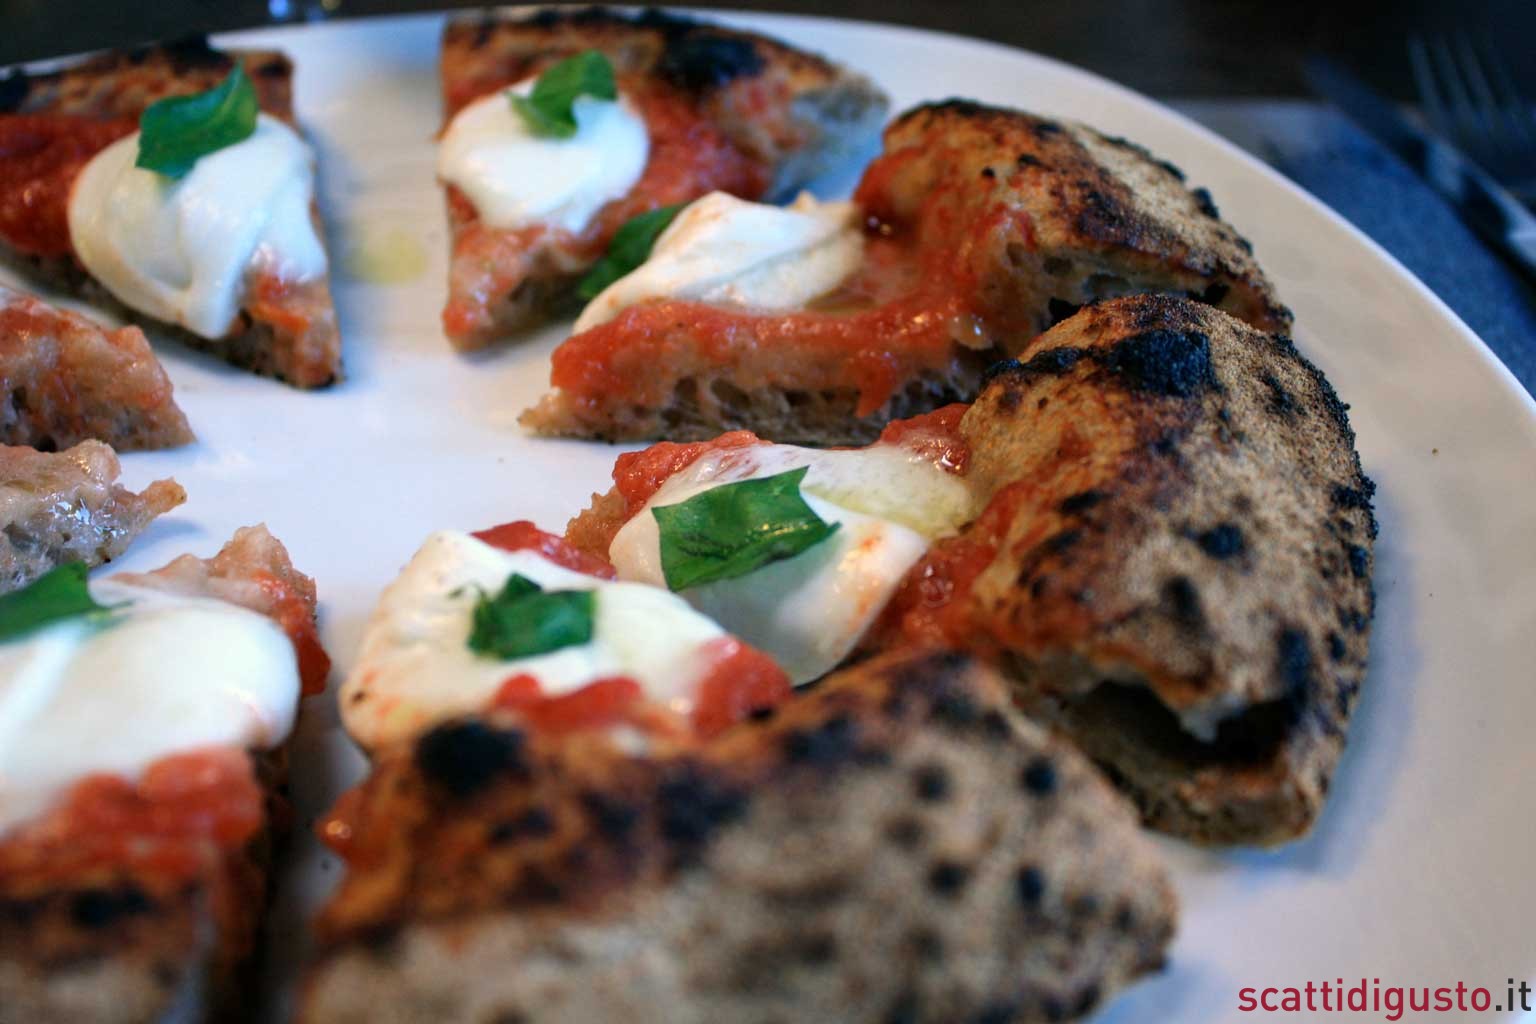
x=1367, y=184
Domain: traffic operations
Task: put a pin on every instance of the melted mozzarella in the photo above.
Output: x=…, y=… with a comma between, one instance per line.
x=181, y=250
x=163, y=675
x=726, y=251
x=416, y=668
x=809, y=611
x=517, y=179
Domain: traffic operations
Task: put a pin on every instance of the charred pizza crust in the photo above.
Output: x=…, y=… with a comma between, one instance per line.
x=897, y=844
x=291, y=335
x=58, y=507
x=1179, y=560
x=1026, y=217
x=784, y=114
x=66, y=379
x=130, y=946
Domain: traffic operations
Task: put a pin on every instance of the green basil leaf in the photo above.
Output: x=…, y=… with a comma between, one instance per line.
x=547, y=110
x=631, y=246
x=524, y=620
x=729, y=531
x=58, y=594
x=176, y=131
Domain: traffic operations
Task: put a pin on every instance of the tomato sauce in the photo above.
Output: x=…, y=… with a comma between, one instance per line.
x=935, y=436
x=293, y=613
x=742, y=680
x=637, y=476
x=522, y=535
x=911, y=310
x=175, y=822
x=40, y=156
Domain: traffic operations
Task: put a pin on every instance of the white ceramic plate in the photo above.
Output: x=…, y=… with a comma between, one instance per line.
x=1419, y=872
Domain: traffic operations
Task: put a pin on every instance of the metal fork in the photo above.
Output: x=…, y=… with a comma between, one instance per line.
x=1472, y=101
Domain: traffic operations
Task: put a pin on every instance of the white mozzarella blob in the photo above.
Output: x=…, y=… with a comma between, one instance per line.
x=163, y=674
x=809, y=611
x=516, y=179
x=182, y=250
x=726, y=251
x=416, y=667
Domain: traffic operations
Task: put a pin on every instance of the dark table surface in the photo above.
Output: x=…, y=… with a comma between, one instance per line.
x=1162, y=47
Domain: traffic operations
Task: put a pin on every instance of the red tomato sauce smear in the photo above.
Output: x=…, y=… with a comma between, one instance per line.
x=911, y=309
x=175, y=823
x=40, y=156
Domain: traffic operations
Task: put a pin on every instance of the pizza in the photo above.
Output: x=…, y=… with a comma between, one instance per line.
x=690, y=108
x=66, y=379
x=59, y=507
x=219, y=244
x=141, y=781
x=1154, y=522
x=977, y=228
x=457, y=634
x=898, y=844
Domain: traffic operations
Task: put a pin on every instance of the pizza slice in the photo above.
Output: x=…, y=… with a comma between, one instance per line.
x=896, y=844
x=1155, y=523
x=563, y=125
x=172, y=184
x=975, y=230
x=66, y=379
x=58, y=507
x=142, y=724
x=518, y=620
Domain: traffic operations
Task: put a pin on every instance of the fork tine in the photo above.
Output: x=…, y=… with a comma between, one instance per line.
x=1429, y=91
x=1469, y=130
x=1513, y=109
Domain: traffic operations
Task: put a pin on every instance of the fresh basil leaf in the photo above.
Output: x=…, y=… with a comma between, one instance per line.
x=729, y=531
x=631, y=246
x=60, y=593
x=524, y=620
x=548, y=109
x=176, y=131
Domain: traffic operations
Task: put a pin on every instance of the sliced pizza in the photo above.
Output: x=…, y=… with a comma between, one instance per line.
x=562, y=126
x=58, y=507
x=897, y=844
x=66, y=379
x=142, y=724
x=516, y=619
x=975, y=230
x=173, y=184
x=1155, y=522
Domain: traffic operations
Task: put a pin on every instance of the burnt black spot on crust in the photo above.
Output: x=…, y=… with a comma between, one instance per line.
x=1046, y=129
x=987, y=172
x=692, y=804
x=1214, y=293
x=1224, y=540
x=534, y=823
x=1184, y=601
x=956, y=709
x=996, y=1013
x=1336, y=648
x=1080, y=502
x=1294, y=661
x=832, y=741
x=930, y=782
x=1281, y=401
x=1039, y=776
x=948, y=878
x=1359, y=560
x=1029, y=886
x=101, y=908
x=1205, y=203
x=907, y=1009
x=1162, y=362
x=614, y=818
x=466, y=757
x=700, y=60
